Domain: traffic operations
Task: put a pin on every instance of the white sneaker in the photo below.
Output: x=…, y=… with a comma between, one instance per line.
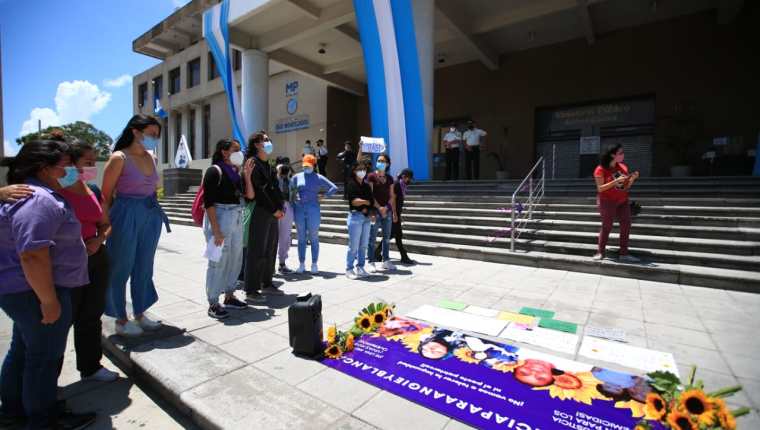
x=387, y=265
x=598, y=257
x=350, y=274
x=301, y=268
x=314, y=269
x=361, y=273
x=628, y=258
x=371, y=267
x=148, y=324
x=379, y=266
x=102, y=375
x=129, y=329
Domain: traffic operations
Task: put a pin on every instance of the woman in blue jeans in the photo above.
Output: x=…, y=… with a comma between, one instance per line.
x=361, y=209
x=42, y=257
x=305, y=194
x=223, y=189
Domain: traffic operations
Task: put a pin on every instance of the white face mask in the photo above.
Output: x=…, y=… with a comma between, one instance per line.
x=452, y=129
x=361, y=173
x=237, y=158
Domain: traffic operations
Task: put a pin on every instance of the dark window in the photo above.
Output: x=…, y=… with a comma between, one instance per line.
x=174, y=81
x=237, y=59
x=191, y=132
x=194, y=73
x=142, y=94
x=177, y=128
x=206, y=130
x=158, y=88
x=212, y=73
x=165, y=141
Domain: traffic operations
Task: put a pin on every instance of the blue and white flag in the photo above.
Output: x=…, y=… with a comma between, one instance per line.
x=183, y=157
x=158, y=110
x=217, y=35
x=397, y=112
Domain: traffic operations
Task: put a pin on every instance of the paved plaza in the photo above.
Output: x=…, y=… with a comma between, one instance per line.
x=240, y=371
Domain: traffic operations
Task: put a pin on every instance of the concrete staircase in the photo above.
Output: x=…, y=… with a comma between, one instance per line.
x=695, y=231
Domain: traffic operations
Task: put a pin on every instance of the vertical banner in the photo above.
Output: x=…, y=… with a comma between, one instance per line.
x=216, y=33
x=183, y=157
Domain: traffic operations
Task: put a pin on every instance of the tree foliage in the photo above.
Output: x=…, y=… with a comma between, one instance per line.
x=81, y=130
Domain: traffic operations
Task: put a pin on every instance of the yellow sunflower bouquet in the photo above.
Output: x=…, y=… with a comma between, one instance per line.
x=369, y=320
x=686, y=406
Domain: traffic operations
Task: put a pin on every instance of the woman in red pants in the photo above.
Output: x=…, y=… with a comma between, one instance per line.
x=612, y=183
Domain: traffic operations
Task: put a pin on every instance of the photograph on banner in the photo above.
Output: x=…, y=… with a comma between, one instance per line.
x=493, y=385
x=372, y=145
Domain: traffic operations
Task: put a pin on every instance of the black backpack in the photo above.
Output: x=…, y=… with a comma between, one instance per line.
x=305, y=325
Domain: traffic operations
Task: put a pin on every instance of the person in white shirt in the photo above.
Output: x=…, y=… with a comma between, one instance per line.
x=307, y=148
x=471, y=139
x=451, y=142
x=321, y=157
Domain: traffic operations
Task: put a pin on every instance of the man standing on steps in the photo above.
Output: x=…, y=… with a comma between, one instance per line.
x=348, y=157
x=451, y=142
x=471, y=139
x=322, y=156
x=263, y=232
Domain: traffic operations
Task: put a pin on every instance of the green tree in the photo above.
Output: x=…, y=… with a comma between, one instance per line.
x=81, y=130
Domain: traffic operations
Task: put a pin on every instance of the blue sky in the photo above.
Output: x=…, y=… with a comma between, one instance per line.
x=72, y=60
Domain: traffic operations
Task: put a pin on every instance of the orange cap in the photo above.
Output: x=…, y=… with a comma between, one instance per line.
x=309, y=160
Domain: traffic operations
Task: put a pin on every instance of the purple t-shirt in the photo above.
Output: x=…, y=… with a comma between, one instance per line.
x=42, y=220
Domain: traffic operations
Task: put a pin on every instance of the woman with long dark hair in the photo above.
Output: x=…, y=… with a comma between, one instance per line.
x=381, y=184
x=130, y=180
x=361, y=205
x=223, y=189
x=612, y=184
x=42, y=257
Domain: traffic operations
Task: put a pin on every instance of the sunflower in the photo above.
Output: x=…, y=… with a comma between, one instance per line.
x=333, y=351
x=727, y=420
x=656, y=407
x=680, y=421
x=466, y=355
x=365, y=323
x=638, y=409
x=696, y=403
x=580, y=387
x=507, y=367
x=331, y=334
x=349, y=342
x=378, y=318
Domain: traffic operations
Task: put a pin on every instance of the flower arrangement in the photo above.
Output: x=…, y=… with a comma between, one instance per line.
x=369, y=320
x=681, y=406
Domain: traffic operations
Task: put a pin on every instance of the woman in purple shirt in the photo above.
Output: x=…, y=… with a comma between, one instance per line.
x=42, y=256
x=129, y=197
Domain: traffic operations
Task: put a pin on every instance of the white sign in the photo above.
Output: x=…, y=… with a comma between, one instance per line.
x=458, y=320
x=183, y=158
x=373, y=145
x=590, y=145
x=545, y=338
x=291, y=88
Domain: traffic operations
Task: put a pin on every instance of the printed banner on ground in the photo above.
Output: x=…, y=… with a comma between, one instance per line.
x=493, y=385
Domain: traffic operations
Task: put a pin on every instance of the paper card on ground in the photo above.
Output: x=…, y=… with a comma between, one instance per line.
x=458, y=320
x=484, y=312
x=213, y=252
x=610, y=333
x=553, y=324
x=551, y=339
x=525, y=320
x=631, y=356
x=541, y=313
x=450, y=304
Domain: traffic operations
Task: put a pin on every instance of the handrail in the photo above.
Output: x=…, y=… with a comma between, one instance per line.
x=528, y=178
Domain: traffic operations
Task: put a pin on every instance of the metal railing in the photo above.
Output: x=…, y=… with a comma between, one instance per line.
x=521, y=214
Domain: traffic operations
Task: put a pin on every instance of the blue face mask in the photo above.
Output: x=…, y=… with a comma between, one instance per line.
x=150, y=143
x=70, y=178
x=268, y=147
x=308, y=170
x=381, y=166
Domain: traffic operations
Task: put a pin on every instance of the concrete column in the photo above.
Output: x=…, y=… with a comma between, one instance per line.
x=254, y=98
x=198, y=132
x=171, y=126
x=423, y=12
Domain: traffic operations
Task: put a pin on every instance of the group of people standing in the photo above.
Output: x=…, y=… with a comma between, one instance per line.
x=67, y=249
x=321, y=154
x=470, y=139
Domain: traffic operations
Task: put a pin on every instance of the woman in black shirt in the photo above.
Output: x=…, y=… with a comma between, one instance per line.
x=223, y=223
x=360, y=205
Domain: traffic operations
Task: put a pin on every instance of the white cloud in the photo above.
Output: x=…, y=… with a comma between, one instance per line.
x=9, y=148
x=74, y=101
x=179, y=3
x=118, y=82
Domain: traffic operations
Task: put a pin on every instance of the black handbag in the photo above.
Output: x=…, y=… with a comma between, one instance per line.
x=305, y=325
x=635, y=208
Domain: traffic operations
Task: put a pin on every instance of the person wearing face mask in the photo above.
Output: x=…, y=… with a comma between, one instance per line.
x=223, y=189
x=348, y=158
x=451, y=142
x=264, y=230
x=385, y=204
x=307, y=189
x=88, y=303
x=360, y=210
x=612, y=184
x=399, y=190
x=285, y=224
x=42, y=258
x=130, y=180
x=471, y=139
x=322, y=156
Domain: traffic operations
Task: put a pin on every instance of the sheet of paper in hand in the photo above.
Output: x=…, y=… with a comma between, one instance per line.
x=373, y=145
